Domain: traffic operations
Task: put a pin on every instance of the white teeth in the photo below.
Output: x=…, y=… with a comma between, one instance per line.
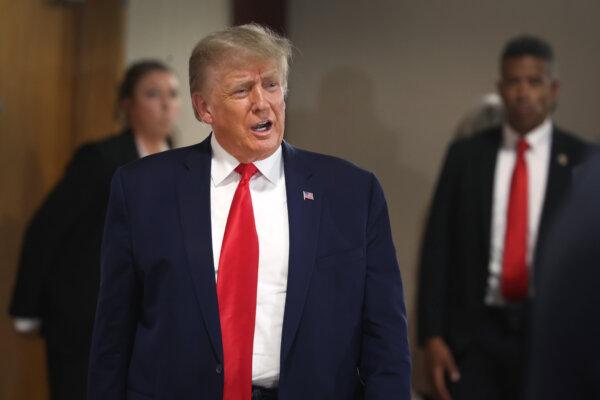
x=262, y=126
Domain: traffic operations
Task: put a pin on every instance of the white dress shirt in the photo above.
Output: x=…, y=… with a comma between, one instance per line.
x=141, y=149
x=26, y=325
x=269, y=202
x=538, y=161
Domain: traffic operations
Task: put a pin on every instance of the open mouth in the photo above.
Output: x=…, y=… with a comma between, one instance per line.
x=262, y=126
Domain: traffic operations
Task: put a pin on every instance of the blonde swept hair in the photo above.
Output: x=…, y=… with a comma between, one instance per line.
x=250, y=39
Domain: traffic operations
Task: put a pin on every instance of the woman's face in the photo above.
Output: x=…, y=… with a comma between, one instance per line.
x=154, y=105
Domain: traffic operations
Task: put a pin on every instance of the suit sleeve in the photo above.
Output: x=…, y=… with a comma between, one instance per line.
x=118, y=302
x=385, y=360
x=44, y=238
x=435, y=253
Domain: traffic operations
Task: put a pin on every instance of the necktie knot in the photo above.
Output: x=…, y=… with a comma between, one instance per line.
x=522, y=146
x=246, y=171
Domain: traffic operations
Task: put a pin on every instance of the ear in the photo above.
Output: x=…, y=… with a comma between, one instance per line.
x=125, y=105
x=202, y=108
x=500, y=89
x=555, y=86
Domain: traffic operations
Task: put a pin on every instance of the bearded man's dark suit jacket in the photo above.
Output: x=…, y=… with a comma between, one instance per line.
x=157, y=332
x=59, y=270
x=456, y=246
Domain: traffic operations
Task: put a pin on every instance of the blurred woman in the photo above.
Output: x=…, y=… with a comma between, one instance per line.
x=57, y=284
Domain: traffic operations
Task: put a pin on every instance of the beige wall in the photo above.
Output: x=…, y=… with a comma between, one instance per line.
x=384, y=83
x=168, y=30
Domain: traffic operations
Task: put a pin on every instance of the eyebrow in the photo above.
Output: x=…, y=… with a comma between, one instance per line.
x=240, y=78
x=270, y=73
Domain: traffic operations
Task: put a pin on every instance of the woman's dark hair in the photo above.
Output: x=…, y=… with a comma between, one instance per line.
x=135, y=73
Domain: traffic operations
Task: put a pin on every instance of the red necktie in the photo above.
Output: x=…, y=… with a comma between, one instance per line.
x=236, y=289
x=515, y=283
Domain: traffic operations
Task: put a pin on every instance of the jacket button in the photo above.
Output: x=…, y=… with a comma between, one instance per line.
x=219, y=368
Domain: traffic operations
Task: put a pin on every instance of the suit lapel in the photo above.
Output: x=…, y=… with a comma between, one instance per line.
x=122, y=150
x=487, y=173
x=193, y=190
x=130, y=151
x=304, y=217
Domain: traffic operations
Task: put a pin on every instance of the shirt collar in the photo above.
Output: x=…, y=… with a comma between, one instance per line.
x=223, y=164
x=534, y=138
x=141, y=149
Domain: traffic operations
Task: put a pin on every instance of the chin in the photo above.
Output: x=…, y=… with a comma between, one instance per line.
x=263, y=150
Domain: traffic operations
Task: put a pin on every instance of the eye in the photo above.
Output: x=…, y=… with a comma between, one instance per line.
x=535, y=81
x=240, y=91
x=152, y=93
x=272, y=85
x=174, y=93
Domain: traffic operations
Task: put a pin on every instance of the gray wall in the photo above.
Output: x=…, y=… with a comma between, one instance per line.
x=384, y=83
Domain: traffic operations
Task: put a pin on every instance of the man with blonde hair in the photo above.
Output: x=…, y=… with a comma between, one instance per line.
x=242, y=267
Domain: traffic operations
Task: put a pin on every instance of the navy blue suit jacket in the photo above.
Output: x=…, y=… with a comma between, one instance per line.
x=565, y=361
x=157, y=332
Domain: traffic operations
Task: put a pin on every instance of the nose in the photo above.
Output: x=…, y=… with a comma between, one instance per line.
x=259, y=101
x=168, y=102
x=523, y=90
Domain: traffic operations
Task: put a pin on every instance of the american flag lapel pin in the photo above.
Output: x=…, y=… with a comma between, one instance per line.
x=562, y=159
x=307, y=195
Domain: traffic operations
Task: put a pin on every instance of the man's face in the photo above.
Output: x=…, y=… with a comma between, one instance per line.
x=244, y=103
x=528, y=90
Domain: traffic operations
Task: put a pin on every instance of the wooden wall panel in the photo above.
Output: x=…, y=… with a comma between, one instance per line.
x=35, y=89
x=99, y=58
x=49, y=56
